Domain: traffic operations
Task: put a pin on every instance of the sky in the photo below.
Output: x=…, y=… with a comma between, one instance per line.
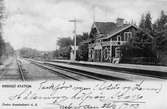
x=39, y=23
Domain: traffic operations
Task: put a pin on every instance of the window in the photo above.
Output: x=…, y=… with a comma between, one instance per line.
x=106, y=54
x=91, y=53
x=118, y=38
x=130, y=35
x=127, y=36
x=117, y=52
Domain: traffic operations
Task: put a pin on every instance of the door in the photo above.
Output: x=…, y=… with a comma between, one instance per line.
x=117, y=52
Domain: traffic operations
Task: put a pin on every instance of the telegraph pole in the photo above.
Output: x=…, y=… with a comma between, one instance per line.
x=75, y=21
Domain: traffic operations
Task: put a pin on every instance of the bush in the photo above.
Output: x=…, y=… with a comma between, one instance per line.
x=140, y=60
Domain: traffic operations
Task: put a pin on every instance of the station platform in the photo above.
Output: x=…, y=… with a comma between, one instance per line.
x=159, y=71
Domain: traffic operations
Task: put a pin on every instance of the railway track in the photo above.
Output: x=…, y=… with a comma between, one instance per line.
x=73, y=73
x=93, y=72
x=12, y=71
x=55, y=71
x=21, y=70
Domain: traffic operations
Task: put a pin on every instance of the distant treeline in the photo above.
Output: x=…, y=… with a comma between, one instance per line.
x=33, y=53
x=63, y=52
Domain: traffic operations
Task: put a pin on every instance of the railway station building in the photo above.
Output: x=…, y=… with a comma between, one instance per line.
x=107, y=38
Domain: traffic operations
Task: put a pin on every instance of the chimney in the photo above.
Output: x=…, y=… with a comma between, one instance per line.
x=120, y=21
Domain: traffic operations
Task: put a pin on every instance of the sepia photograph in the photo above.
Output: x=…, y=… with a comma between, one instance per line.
x=83, y=54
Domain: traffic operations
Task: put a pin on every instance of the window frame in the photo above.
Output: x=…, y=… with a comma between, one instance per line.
x=119, y=36
x=127, y=36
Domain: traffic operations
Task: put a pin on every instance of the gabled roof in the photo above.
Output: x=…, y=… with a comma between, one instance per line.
x=122, y=28
x=105, y=27
x=108, y=28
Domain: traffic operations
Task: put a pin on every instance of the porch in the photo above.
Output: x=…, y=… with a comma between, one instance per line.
x=105, y=51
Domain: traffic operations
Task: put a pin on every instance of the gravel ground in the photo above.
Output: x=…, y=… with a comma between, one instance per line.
x=33, y=72
x=10, y=70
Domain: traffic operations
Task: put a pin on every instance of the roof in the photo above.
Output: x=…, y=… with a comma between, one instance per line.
x=109, y=27
x=124, y=28
x=105, y=27
x=117, y=31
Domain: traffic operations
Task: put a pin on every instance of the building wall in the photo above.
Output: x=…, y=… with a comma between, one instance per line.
x=107, y=53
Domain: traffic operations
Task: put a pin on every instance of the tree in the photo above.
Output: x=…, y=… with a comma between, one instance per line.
x=160, y=24
x=30, y=53
x=146, y=23
x=81, y=38
x=64, y=50
x=2, y=46
x=65, y=47
x=139, y=49
x=139, y=46
x=142, y=22
x=2, y=43
x=82, y=53
x=160, y=33
x=9, y=51
x=64, y=42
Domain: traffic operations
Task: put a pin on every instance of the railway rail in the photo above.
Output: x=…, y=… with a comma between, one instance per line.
x=149, y=71
x=21, y=70
x=95, y=73
x=12, y=70
x=55, y=71
x=71, y=73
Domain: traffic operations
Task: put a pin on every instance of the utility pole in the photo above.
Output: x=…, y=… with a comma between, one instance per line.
x=75, y=34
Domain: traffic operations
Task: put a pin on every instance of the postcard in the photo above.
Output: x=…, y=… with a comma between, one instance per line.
x=83, y=54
